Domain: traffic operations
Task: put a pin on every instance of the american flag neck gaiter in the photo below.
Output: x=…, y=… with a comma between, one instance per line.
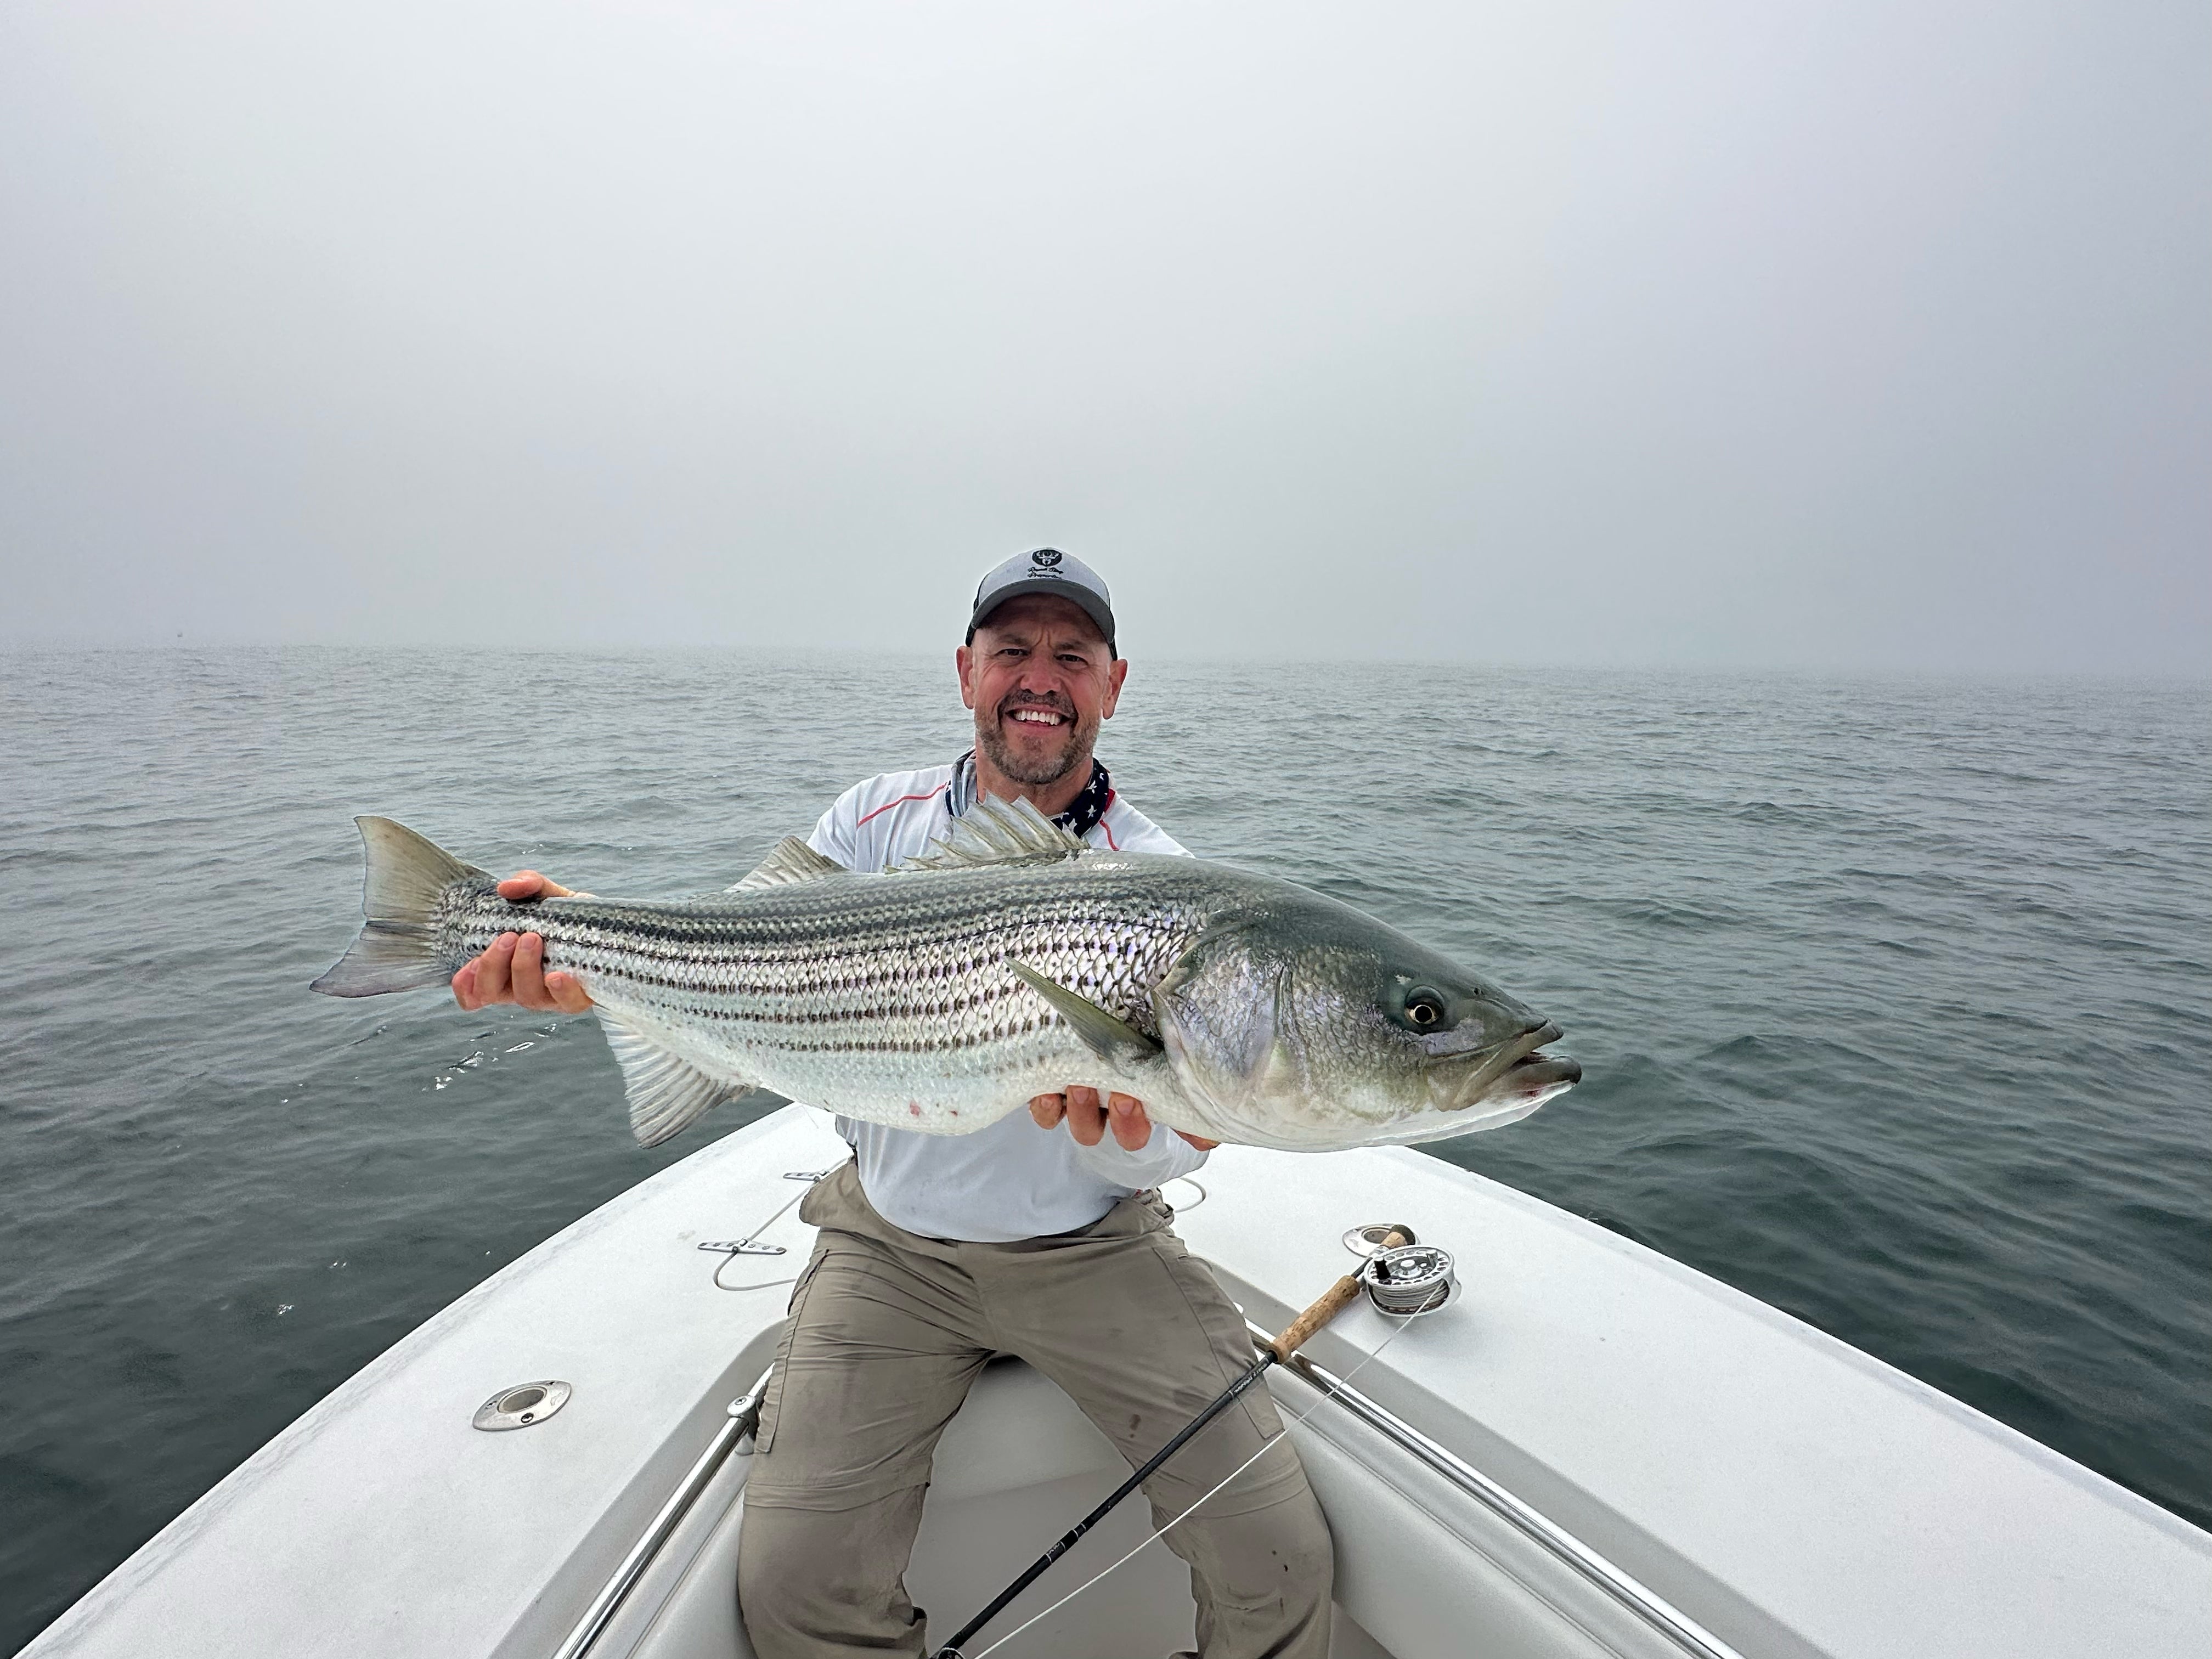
x=1082, y=815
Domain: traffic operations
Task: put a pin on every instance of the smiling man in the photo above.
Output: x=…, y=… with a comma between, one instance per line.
x=1042, y=1235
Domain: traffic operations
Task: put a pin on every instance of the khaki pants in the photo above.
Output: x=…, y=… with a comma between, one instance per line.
x=888, y=1329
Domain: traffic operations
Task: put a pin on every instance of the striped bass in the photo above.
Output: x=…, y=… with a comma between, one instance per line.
x=1009, y=961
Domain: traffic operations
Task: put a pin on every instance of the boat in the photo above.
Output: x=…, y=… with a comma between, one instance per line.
x=1590, y=1450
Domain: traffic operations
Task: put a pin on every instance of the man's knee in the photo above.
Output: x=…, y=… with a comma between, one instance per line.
x=1287, y=1543
x=1263, y=1579
x=815, y=1582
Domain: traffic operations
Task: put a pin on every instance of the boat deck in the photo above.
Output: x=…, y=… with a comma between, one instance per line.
x=1787, y=1493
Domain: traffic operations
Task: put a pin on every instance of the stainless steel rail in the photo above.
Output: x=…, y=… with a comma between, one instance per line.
x=744, y=1418
x=1631, y=1592
x=1624, y=1587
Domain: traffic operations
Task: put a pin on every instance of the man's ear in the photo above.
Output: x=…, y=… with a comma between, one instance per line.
x=1116, y=674
x=963, y=659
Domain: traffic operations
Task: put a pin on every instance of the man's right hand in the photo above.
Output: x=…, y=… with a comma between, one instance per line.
x=513, y=967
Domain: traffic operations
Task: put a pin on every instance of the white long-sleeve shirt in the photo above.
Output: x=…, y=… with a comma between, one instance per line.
x=1013, y=1179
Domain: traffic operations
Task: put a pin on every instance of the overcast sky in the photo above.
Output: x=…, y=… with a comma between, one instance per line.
x=1862, y=335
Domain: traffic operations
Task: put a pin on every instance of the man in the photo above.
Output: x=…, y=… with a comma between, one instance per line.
x=936, y=1251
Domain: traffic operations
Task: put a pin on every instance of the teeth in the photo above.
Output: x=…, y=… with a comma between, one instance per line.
x=1036, y=716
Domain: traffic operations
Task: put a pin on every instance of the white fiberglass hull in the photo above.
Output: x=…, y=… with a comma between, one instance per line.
x=1783, y=1492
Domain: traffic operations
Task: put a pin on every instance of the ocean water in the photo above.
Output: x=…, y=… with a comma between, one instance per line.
x=1893, y=996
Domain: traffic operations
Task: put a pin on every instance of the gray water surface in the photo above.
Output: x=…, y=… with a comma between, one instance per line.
x=1894, y=998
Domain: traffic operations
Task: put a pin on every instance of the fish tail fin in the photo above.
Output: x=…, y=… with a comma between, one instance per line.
x=398, y=948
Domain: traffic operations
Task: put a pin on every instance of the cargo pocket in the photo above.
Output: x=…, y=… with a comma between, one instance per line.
x=772, y=1402
x=1226, y=1333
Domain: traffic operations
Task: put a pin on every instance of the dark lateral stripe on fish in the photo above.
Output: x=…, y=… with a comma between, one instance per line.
x=978, y=941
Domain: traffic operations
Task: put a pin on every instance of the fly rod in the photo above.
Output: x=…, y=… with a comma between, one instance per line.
x=1295, y=1335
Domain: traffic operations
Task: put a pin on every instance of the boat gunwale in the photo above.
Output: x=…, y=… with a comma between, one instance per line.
x=1623, y=1586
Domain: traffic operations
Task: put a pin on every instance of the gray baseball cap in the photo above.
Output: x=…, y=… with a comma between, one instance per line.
x=1046, y=570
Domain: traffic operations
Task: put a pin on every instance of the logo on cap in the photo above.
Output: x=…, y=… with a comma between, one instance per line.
x=1045, y=557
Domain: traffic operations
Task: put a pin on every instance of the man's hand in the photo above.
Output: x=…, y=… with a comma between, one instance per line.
x=1088, y=1123
x=513, y=967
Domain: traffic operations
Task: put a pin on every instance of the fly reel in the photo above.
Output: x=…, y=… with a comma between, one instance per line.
x=1409, y=1278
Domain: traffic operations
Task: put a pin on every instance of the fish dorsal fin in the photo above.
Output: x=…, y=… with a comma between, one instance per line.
x=790, y=860
x=994, y=831
x=667, y=1093
x=1110, y=1036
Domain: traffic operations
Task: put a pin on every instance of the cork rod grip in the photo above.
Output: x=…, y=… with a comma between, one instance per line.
x=1332, y=1302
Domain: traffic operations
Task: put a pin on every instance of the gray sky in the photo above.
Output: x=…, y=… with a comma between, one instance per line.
x=1864, y=336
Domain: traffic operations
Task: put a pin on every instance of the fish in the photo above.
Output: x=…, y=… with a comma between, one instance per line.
x=1009, y=960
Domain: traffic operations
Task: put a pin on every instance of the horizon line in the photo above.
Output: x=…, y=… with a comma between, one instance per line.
x=1831, y=669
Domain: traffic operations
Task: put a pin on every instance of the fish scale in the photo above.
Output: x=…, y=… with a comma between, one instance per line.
x=897, y=991
x=1010, y=961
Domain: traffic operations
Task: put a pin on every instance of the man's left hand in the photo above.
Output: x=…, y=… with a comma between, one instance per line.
x=1088, y=1122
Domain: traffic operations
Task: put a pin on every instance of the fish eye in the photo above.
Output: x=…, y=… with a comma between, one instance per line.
x=1424, y=1010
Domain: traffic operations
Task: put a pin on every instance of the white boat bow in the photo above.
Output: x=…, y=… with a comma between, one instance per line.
x=1595, y=1450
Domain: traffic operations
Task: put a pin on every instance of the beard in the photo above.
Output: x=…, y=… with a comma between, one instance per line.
x=1038, y=765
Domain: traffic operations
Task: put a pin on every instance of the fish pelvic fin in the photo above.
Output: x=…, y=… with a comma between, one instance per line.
x=792, y=860
x=1110, y=1036
x=405, y=876
x=667, y=1092
x=994, y=831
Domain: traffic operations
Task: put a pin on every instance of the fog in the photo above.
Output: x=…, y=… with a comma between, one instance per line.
x=1862, y=337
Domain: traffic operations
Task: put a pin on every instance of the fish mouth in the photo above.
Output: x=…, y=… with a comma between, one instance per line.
x=1548, y=1073
x=1519, y=1060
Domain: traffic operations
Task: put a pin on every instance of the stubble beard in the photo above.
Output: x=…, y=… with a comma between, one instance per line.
x=1035, y=771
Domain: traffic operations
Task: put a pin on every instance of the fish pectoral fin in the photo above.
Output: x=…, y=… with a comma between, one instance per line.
x=792, y=860
x=1110, y=1036
x=667, y=1093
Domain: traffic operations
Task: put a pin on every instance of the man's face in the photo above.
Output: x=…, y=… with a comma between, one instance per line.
x=1040, y=679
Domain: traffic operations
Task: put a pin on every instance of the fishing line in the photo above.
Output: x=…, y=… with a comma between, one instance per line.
x=1182, y=1209
x=765, y=1283
x=771, y=1284
x=1402, y=1325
